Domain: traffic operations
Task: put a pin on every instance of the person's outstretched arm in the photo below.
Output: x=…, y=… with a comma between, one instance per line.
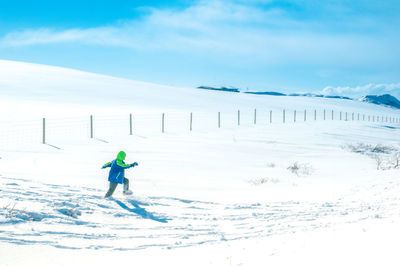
x=106, y=165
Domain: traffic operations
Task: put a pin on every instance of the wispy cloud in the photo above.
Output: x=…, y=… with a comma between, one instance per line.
x=263, y=30
x=369, y=89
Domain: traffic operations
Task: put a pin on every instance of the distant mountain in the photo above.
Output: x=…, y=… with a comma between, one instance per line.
x=231, y=89
x=266, y=93
x=320, y=96
x=273, y=93
x=385, y=99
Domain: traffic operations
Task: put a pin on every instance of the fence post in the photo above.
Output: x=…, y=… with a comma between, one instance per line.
x=358, y=116
x=284, y=116
x=270, y=116
x=44, y=131
x=332, y=114
x=305, y=115
x=346, y=117
x=352, y=116
x=162, y=123
x=294, y=116
x=238, y=117
x=219, y=119
x=340, y=116
x=324, y=114
x=130, y=124
x=91, y=126
x=191, y=121
x=255, y=116
x=315, y=115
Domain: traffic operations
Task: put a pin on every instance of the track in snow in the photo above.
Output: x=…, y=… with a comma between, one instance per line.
x=79, y=218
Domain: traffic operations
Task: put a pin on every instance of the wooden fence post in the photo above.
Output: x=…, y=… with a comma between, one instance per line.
x=315, y=115
x=163, y=123
x=255, y=116
x=284, y=116
x=332, y=114
x=191, y=121
x=91, y=126
x=340, y=116
x=219, y=119
x=294, y=116
x=130, y=124
x=324, y=114
x=44, y=131
x=238, y=117
x=346, y=117
x=270, y=116
x=305, y=115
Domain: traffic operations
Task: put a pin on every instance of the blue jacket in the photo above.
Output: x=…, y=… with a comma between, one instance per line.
x=117, y=171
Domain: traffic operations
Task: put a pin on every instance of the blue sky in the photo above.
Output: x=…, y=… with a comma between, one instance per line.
x=293, y=45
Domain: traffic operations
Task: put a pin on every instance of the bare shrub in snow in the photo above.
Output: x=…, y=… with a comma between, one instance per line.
x=387, y=163
x=10, y=211
x=379, y=161
x=271, y=165
x=369, y=148
x=386, y=157
x=383, y=149
x=396, y=160
x=14, y=214
x=300, y=169
x=260, y=181
x=74, y=212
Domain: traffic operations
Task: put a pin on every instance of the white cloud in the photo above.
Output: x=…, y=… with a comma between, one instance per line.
x=369, y=89
x=225, y=28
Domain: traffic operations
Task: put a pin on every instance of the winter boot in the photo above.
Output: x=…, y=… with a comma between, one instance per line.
x=126, y=187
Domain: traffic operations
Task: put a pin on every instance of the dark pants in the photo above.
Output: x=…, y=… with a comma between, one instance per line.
x=113, y=186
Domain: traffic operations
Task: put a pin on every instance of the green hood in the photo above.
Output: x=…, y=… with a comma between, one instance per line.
x=121, y=156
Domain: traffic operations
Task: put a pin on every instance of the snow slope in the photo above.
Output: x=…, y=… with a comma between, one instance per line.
x=211, y=196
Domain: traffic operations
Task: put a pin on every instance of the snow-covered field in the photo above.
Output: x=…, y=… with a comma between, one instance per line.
x=315, y=192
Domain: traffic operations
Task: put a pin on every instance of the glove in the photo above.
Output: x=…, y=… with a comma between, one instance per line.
x=103, y=167
x=134, y=164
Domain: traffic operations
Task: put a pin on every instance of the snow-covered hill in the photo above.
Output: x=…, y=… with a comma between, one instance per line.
x=385, y=99
x=287, y=187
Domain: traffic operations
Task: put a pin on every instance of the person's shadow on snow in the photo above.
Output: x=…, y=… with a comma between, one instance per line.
x=141, y=211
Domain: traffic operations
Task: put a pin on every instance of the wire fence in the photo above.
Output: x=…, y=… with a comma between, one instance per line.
x=56, y=130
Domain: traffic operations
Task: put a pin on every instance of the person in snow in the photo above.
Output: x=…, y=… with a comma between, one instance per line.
x=117, y=174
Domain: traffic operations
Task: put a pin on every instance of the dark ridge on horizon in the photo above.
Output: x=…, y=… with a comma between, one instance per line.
x=385, y=99
x=231, y=89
